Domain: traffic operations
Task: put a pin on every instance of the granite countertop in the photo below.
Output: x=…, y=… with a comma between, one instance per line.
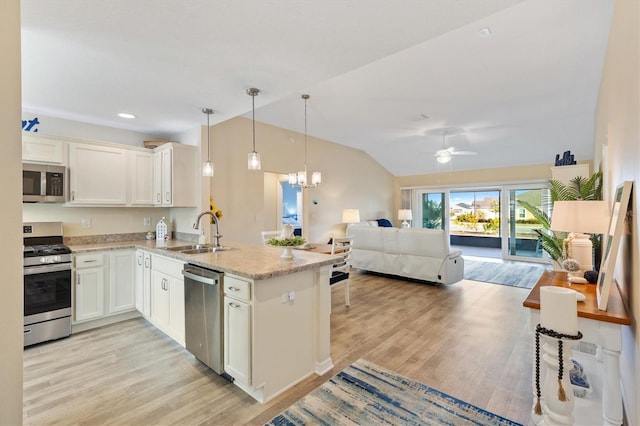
x=248, y=260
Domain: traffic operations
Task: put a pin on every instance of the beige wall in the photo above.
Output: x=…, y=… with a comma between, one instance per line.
x=617, y=150
x=350, y=179
x=11, y=315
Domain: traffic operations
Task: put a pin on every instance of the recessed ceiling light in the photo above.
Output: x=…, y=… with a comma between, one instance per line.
x=485, y=32
x=126, y=115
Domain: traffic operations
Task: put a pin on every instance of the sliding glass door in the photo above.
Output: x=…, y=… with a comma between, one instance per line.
x=520, y=240
x=434, y=207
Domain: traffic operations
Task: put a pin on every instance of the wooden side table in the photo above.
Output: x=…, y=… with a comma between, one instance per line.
x=604, y=328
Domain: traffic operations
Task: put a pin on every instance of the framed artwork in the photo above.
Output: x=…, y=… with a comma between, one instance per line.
x=611, y=243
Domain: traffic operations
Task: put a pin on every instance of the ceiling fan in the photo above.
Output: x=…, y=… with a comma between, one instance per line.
x=444, y=155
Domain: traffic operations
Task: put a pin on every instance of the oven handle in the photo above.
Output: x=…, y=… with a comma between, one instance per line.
x=43, y=269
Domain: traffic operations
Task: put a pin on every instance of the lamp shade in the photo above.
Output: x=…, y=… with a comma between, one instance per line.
x=350, y=216
x=584, y=216
x=404, y=214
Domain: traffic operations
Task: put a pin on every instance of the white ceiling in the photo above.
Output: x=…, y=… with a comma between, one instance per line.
x=373, y=68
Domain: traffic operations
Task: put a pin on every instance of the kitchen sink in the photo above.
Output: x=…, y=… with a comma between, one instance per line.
x=190, y=247
x=208, y=249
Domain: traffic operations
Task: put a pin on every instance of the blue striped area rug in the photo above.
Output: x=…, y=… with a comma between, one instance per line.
x=523, y=275
x=367, y=394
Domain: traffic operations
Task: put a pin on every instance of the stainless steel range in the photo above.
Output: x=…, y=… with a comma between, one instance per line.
x=47, y=283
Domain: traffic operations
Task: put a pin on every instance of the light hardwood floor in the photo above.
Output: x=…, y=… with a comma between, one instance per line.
x=470, y=340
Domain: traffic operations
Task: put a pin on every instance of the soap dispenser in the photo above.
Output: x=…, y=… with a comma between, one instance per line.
x=202, y=238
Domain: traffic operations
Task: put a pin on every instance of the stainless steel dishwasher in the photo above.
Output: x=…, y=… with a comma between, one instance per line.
x=204, y=315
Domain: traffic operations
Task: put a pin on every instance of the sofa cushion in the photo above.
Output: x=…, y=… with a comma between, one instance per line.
x=423, y=242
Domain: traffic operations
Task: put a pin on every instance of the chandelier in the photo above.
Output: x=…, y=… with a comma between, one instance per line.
x=300, y=178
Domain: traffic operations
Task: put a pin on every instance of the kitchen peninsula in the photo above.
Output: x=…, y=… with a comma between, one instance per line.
x=276, y=311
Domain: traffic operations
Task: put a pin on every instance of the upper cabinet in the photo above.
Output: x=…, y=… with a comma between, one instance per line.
x=174, y=175
x=120, y=175
x=42, y=149
x=142, y=172
x=98, y=175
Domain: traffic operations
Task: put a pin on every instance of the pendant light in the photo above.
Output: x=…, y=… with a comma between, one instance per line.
x=207, y=166
x=300, y=178
x=253, y=162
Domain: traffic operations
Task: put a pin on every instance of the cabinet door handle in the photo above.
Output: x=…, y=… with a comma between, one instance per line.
x=140, y=261
x=73, y=195
x=146, y=262
x=158, y=197
x=89, y=261
x=78, y=279
x=234, y=289
x=233, y=305
x=168, y=198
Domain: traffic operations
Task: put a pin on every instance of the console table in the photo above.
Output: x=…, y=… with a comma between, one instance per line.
x=604, y=328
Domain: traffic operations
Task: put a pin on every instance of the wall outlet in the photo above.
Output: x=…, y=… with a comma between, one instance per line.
x=86, y=222
x=147, y=221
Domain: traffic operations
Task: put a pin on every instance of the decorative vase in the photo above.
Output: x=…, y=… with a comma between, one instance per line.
x=287, y=253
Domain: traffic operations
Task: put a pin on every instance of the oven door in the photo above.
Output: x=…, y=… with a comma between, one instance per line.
x=47, y=292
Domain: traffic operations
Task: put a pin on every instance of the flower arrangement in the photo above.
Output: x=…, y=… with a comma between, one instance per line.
x=214, y=209
x=286, y=242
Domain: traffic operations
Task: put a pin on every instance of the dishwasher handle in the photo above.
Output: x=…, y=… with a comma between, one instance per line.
x=204, y=280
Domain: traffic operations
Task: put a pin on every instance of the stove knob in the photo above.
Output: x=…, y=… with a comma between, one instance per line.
x=55, y=259
x=43, y=260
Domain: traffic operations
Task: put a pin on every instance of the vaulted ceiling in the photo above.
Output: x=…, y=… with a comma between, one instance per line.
x=515, y=81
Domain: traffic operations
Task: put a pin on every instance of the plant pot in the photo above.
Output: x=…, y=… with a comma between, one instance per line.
x=287, y=253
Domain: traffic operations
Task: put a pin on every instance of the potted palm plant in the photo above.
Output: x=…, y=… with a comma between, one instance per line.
x=578, y=188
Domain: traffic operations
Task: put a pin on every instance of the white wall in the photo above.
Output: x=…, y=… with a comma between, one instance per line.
x=350, y=179
x=53, y=126
x=617, y=150
x=11, y=302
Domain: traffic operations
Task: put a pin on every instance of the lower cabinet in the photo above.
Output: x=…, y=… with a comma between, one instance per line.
x=167, y=297
x=89, y=287
x=237, y=329
x=143, y=282
x=104, y=284
x=121, y=281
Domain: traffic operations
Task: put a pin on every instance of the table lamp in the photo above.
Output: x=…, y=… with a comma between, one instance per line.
x=404, y=215
x=580, y=218
x=350, y=216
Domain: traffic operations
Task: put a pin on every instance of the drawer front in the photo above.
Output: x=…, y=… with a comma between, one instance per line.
x=167, y=265
x=88, y=260
x=238, y=289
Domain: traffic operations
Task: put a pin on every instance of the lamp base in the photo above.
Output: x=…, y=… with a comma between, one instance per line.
x=576, y=277
x=405, y=224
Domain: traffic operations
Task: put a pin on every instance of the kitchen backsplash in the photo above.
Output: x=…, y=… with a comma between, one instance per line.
x=114, y=238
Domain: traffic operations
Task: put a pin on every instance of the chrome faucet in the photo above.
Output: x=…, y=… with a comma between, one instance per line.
x=217, y=236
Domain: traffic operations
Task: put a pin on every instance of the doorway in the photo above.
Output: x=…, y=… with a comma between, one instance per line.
x=282, y=203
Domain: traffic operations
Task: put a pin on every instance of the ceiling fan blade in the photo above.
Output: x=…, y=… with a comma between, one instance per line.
x=463, y=153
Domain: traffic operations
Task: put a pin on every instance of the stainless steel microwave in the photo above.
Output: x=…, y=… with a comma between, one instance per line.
x=43, y=183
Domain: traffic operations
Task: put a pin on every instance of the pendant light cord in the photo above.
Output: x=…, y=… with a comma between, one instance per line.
x=253, y=108
x=305, y=97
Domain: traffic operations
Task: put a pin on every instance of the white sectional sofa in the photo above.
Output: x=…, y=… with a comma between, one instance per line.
x=422, y=254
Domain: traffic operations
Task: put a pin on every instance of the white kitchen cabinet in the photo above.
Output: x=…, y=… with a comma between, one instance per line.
x=43, y=149
x=167, y=297
x=237, y=329
x=174, y=175
x=143, y=282
x=142, y=190
x=89, y=287
x=98, y=175
x=121, y=281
